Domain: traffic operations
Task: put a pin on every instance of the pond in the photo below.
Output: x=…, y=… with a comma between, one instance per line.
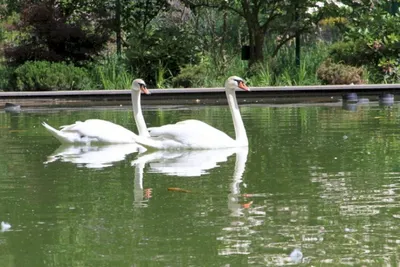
x=318, y=185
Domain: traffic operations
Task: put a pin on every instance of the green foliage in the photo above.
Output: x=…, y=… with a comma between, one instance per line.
x=191, y=76
x=281, y=70
x=8, y=7
x=356, y=53
x=6, y=74
x=163, y=76
x=138, y=15
x=168, y=48
x=372, y=40
x=391, y=69
x=7, y=29
x=110, y=72
x=333, y=73
x=51, y=31
x=47, y=76
x=260, y=74
x=209, y=74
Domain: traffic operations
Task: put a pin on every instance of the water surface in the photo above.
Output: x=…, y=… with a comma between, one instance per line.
x=318, y=185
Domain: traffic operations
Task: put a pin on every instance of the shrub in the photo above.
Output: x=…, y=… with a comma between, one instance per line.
x=6, y=74
x=333, y=73
x=190, y=76
x=356, y=53
x=48, y=76
x=372, y=40
x=49, y=31
x=167, y=49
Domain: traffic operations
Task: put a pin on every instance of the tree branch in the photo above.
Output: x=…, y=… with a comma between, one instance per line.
x=212, y=4
x=287, y=38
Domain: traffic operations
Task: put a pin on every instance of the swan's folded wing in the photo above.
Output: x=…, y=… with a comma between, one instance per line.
x=101, y=131
x=191, y=133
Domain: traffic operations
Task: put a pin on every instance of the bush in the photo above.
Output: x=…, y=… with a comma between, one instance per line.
x=372, y=41
x=48, y=76
x=333, y=73
x=190, y=76
x=6, y=74
x=162, y=51
x=355, y=53
x=48, y=31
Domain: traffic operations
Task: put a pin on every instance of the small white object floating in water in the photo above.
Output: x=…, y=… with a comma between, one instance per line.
x=5, y=226
x=296, y=255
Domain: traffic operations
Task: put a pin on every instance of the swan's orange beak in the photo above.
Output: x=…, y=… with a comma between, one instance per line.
x=144, y=89
x=243, y=86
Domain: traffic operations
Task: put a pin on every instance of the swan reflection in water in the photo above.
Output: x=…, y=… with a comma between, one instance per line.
x=194, y=163
x=93, y=157
x=184, y=163
x=99, y=157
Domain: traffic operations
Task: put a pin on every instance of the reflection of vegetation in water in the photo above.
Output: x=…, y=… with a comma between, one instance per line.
x=324, y=180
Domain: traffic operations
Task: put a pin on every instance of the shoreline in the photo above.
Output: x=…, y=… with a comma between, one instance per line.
x=196, y=96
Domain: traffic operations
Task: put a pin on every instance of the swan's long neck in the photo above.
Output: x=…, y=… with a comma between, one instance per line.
x=240, y=166
x=240, y=131
x=138, y=115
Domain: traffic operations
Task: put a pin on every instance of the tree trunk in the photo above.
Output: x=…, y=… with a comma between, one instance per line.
x=257, y=36
x=118, y=26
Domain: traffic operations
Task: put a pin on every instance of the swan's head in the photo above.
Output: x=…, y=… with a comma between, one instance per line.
x=140, y=85
x=235, y=82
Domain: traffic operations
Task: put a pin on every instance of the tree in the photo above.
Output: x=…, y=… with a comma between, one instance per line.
x=59, y=31
x=158, y=39
x=263, y=18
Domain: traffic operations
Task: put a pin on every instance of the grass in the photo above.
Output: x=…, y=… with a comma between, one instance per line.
x=110, y=72
x=278, y=71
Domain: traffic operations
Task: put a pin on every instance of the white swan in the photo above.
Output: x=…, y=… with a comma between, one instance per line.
x=195, y=134
x=101, y=131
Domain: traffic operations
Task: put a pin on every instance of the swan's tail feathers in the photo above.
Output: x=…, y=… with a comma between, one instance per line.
x=57, y=134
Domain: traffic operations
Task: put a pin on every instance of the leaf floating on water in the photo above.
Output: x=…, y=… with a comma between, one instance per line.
x=16, y=131
x=247, y=205
x=177, y=189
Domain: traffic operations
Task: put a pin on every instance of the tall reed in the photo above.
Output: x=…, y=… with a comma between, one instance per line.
x=111, y=72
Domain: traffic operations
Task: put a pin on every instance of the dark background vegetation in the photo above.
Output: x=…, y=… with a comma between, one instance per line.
x=96, y=44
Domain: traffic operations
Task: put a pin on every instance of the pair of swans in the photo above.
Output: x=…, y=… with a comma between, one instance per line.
x=188, y=134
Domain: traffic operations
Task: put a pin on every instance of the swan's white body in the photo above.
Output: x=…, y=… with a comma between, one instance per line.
x=195, y=134
x=101, y=131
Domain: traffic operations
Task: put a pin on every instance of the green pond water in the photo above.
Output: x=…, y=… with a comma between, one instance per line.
x=318, y=186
